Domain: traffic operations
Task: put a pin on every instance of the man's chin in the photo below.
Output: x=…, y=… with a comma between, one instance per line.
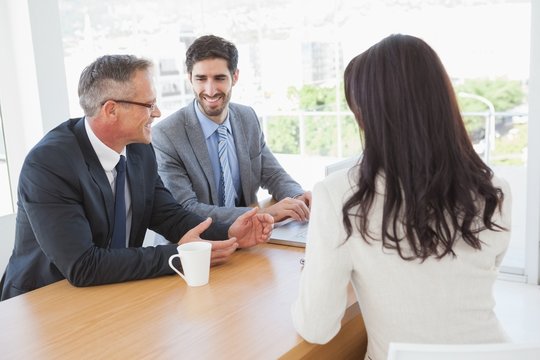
x=146, y=138
x=213, y=111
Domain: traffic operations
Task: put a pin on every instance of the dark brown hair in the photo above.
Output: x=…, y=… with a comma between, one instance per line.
x=212, y=47
x=437, y=188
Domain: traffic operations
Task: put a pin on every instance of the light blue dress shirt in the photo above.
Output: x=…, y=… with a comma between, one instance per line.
x=209, y=129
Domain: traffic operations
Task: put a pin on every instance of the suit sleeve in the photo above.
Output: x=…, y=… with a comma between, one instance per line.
x=65, y=214
x=176, y=178
x=172, y=221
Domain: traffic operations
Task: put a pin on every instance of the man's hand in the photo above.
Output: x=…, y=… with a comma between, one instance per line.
x=297, y=208
x=306, y=198
x=221, y=250
x=252, y=228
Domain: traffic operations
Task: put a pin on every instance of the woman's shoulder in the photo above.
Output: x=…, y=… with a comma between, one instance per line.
x=339, y=183
x=501, y=183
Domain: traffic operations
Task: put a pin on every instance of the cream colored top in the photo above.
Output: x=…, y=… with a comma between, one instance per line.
x=438, y=301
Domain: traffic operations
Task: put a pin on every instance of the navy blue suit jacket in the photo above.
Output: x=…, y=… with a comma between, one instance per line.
x=65, y=217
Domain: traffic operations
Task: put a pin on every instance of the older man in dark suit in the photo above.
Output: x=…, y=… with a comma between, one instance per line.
x=68, y=222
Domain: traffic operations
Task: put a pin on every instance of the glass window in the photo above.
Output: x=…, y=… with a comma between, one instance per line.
x=292, y=57
x=6, y=205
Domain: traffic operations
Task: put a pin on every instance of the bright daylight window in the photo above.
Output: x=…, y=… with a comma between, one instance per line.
x=292, y=56
x=6, y=205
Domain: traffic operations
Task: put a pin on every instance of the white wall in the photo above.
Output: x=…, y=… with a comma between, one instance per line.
x=32, y=73
x=49, y=60
x=19, y=99
x=533, y=164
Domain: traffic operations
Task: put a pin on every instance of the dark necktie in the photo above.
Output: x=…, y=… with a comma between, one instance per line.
x=119, y=229
x=227, y=189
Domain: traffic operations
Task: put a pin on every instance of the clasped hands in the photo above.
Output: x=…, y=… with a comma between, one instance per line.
x=249, y=229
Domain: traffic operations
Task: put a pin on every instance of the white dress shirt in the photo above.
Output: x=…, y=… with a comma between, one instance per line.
x=108, y=159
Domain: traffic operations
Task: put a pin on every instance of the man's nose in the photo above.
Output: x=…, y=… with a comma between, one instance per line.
x=210, y=88
x=156, y=112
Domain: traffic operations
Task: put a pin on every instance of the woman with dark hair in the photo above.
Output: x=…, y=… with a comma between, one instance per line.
x=419, y=226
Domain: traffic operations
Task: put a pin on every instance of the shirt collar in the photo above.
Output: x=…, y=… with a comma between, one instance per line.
x=107, y=156
x=207, y=125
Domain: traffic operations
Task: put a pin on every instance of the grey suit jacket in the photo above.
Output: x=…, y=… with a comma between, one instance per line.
x=184, y=163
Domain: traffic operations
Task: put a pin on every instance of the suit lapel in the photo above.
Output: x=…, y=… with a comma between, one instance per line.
x=241, y=144
x=198, y=144
x=96, y=170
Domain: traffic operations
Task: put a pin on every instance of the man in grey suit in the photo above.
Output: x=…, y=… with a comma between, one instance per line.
x=190, y=149
x=68, y=226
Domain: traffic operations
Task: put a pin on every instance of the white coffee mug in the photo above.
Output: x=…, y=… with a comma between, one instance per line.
x=195, y=260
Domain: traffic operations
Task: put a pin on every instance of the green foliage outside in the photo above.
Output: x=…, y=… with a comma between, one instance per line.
x=317, y=98
x=283, y=135
x=505, y=95
x=321, y=130
x=350, y=142
x=510, y=148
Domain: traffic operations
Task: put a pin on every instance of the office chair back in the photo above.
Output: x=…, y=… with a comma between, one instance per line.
x=343, y=164
x=506, y=351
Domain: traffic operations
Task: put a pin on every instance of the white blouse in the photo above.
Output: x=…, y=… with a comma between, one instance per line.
x=438, y=301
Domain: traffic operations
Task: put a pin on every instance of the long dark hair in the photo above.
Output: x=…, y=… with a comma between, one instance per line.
x=436, y=187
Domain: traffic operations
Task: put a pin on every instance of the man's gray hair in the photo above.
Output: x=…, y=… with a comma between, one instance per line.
x=108, y=77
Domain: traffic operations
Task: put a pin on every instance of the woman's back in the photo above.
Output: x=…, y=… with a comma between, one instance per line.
x=434, y=301
x=420, y=226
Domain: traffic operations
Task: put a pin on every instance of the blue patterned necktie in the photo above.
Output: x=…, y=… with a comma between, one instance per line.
x=228, y=193
x=119, y=229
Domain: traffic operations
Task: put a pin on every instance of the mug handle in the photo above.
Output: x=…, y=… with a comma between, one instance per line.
x=175, y=269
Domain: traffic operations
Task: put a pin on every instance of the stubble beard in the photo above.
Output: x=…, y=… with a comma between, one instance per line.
x=212, y=111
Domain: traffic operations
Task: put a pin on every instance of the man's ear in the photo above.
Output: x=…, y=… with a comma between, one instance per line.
x=235, y=75
x=109, y=110
x=189, y=78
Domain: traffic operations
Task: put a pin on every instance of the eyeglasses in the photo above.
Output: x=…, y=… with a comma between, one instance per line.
x=152, y=106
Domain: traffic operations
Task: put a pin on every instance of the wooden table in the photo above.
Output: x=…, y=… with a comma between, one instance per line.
x=243, y=313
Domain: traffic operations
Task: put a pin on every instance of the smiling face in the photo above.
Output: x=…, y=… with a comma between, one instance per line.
x=135, y=121
x=212, y=84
